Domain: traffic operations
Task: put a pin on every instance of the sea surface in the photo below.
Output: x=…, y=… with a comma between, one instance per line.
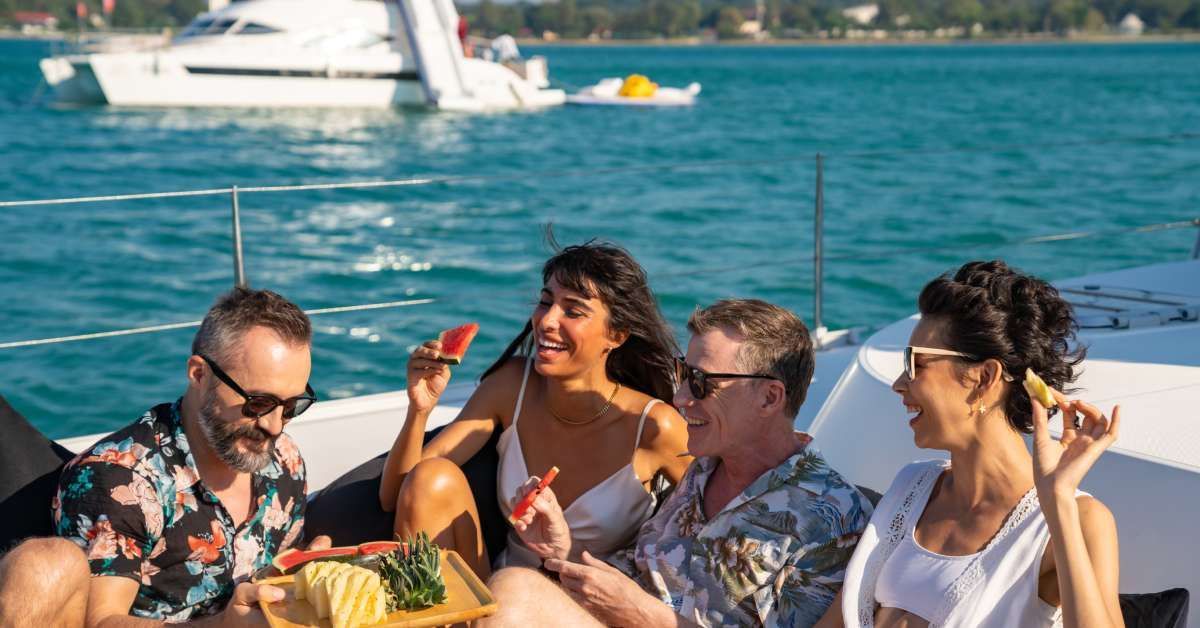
x=961, y=146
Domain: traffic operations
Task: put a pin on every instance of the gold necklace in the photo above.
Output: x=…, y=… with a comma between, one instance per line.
x=600, y=413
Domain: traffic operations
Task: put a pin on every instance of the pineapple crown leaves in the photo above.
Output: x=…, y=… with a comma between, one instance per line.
x=413, y=579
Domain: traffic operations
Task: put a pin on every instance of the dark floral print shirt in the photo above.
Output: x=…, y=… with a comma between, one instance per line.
x=775, y=556
x=136, y=505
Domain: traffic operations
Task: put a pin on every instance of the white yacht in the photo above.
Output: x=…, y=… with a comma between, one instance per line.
x=307, y=53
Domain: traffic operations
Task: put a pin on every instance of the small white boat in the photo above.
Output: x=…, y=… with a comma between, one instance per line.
x=608, y=92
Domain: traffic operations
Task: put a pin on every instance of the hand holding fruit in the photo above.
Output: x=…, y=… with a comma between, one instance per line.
x=542, y=526
x=427, y=377
x=1060, y=465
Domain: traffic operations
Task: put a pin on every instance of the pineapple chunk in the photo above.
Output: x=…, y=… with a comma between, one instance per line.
x=306, y=576
x=346, y=610
x=341, y=597
x=379, y=603
x=362, y=605
x=319, y=588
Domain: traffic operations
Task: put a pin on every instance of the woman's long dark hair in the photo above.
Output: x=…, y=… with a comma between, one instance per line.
x=645, y=362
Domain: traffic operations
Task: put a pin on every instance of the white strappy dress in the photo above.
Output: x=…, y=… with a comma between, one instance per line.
x=603, y=520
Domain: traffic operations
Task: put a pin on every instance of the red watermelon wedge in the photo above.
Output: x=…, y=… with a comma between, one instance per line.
x=455, y=342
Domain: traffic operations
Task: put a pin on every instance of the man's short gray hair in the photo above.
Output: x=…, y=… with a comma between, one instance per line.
x=240, y=310
x=775, y=342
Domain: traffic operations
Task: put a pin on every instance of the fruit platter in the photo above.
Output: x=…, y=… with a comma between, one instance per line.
x=385, y=583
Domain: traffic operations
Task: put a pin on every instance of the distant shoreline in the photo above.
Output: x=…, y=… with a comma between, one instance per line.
x=8, y=34
x=896, y=41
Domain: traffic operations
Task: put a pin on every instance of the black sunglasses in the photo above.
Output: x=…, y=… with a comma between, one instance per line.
x=698, y=380
x=258, y=405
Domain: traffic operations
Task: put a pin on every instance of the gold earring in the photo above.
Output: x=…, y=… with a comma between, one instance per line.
x=982, y=409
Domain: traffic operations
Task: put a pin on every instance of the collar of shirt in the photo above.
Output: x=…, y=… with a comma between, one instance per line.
x=793, y=472
x=259, y=480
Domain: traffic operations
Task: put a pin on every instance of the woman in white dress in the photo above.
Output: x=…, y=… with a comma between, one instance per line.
x=996, y=536
x=585, y=386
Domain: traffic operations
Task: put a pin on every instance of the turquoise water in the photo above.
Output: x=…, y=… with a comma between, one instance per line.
x=477, y=247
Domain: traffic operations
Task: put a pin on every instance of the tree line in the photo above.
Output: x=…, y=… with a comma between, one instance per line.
x=126, y=13
x=676, y=18
x=679, y=18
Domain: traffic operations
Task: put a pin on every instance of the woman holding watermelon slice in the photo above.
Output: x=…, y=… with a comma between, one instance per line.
x=581, y=388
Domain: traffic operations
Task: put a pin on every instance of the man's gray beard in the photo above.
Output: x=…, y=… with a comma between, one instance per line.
x=223, y=437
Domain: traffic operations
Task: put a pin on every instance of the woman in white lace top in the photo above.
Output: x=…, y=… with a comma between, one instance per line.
x=995, y=536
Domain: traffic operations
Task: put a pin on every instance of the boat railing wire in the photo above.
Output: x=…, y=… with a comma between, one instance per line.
x=817, y=259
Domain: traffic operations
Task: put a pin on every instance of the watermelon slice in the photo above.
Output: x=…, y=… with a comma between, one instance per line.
x=455, y=342
x=290, y=561
x=376, y=547
x=525, y=503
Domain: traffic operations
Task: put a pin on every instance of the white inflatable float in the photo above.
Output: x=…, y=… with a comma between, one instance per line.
x=635, y=91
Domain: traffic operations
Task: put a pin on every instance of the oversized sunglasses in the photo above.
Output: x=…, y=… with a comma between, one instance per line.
x=698, y=380
x=910, y=359
x=260, y=404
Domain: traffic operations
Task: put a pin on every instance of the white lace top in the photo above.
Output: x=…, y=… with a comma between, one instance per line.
x=915, y=579
x=997, y=587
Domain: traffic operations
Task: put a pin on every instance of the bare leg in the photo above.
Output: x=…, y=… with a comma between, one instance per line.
x=44, y=583
x=436, y=498
x=525, y=597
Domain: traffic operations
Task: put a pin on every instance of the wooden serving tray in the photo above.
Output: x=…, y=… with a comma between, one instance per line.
x=466, y=598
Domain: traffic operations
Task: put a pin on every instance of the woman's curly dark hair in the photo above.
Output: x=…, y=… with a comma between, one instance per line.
x=994, y=311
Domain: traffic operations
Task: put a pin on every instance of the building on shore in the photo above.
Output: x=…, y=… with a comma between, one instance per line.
x=1131, y=25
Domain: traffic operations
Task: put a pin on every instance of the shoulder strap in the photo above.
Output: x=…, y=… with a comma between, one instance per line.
x=642, y=421
x=521, y=394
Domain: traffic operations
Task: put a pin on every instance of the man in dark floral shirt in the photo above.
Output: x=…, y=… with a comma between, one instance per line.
x=178, y=509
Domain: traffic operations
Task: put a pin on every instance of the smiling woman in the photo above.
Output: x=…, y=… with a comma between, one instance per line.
x=585, y=387
x=968, y=543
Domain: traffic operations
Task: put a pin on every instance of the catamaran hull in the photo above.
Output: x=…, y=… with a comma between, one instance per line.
x=150, y=80
x=147, y=79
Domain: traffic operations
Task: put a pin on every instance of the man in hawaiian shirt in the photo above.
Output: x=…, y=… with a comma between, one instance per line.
x=177, y=510
x=757, y=533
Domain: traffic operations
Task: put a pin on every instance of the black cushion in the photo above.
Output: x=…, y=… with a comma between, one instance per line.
x=871, y=495
x=1165, y=609
x=29, y=468
x=348, y=508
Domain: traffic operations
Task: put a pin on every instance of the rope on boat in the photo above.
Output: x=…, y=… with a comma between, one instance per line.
x=663, y=167
x=170, y=326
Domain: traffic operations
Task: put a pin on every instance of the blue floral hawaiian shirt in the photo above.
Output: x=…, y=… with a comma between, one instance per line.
x=136, y=505
x=774, y=556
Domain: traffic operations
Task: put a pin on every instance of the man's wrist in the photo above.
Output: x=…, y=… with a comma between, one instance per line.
x=656, y=614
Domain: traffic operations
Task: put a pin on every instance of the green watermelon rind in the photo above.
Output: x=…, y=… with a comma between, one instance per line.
x=467, y=331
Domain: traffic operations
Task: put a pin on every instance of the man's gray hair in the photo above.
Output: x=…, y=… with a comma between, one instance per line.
x=775, y=342
x=240, y=310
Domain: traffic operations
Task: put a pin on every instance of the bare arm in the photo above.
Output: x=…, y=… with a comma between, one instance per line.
x=611, y=596
x=460, y=440
x=1086, y=564
x=1082, y=531
x=833, y=615
x=111, y=597
x=664, y=439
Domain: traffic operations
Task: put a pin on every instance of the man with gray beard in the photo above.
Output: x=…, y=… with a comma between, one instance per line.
x=176, y=511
